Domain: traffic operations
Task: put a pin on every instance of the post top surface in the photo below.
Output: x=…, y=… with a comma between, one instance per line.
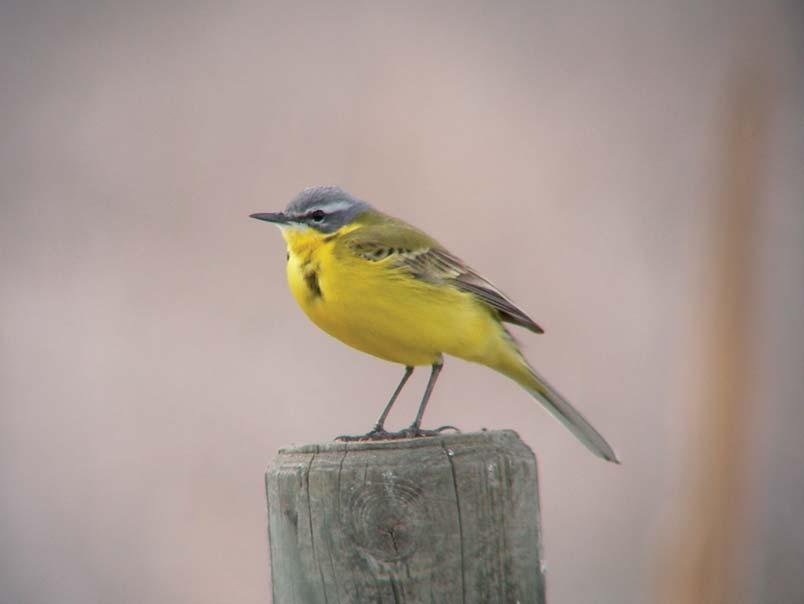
x=486, y=437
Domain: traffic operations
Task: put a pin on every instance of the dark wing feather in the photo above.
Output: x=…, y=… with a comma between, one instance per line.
x=438, y=263
x=411, y=249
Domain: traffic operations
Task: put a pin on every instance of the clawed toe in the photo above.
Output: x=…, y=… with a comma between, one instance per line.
x=377, y=433
x=382, y=434
x=374, y=435
x=413, y=432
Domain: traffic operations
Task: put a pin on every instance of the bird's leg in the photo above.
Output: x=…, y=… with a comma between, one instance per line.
x=415, y=429
x=378, y=432
x=380, y=425
x=436, y=370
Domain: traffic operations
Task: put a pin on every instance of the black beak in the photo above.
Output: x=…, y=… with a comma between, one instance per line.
x=275, y=217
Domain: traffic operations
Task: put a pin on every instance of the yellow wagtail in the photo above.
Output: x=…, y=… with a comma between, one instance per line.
x=386, y=288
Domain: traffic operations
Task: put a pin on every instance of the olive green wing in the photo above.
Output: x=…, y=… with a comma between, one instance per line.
x=406, y=247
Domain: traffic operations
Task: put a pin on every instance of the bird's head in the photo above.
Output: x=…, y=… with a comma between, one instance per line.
x=322, y=209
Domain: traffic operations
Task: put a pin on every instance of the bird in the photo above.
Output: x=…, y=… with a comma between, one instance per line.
x=386, y=288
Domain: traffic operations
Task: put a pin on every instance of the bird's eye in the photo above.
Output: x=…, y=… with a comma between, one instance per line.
x=318, y=216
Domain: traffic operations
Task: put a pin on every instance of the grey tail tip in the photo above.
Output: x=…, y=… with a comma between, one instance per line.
x=607, y=454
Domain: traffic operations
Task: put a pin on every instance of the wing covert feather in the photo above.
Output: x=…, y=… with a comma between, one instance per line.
x=411, y=249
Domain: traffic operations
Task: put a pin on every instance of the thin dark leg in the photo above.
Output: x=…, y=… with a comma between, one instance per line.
x=417, y=423
x=381, y=421
x=414, y=430
x=378, y=432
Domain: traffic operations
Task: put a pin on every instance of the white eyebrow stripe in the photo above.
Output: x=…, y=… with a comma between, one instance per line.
x=331, y=207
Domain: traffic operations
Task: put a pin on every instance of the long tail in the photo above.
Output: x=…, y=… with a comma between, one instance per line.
x=518, y=369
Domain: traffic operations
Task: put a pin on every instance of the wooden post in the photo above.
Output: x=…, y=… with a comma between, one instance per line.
x=446, y=519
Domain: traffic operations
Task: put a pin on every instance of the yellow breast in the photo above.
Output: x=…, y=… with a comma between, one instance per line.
x=382, y=311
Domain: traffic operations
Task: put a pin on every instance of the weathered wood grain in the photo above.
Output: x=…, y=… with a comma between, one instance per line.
x=446, y=519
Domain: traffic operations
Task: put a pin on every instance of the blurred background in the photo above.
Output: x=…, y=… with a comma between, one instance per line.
x=629, y=172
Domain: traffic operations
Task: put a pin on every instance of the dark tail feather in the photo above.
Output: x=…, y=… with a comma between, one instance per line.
x=564, y=412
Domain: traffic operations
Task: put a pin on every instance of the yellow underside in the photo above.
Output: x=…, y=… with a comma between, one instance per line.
x=391, y=315
x=386, y=312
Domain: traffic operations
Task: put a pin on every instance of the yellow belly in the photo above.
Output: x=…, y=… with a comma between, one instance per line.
x=382, y=312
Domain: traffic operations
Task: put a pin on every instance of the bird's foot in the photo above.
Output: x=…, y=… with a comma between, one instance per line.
x=376, y=433
x=379, y=433
x=417, y=432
